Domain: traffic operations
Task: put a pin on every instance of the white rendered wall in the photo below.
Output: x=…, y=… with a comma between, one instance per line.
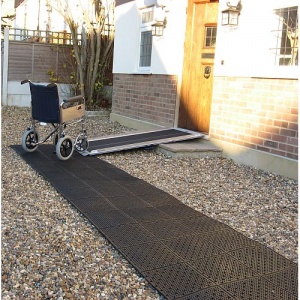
x=28, y=16
x=241, y=51
x=167, y=51
x=245, y=50
x=126, y=38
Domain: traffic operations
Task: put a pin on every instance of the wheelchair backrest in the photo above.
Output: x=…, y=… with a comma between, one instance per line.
x=45, y=103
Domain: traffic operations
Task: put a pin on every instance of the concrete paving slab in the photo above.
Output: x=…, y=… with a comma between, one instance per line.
x=194, y=148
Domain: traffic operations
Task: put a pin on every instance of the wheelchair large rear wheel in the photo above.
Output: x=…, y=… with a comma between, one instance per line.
x=30, y=138
x=64, y=148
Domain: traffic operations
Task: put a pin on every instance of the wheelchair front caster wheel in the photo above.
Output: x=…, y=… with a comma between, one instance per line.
x=64, y=148
x=81, y=143
x=30, y=139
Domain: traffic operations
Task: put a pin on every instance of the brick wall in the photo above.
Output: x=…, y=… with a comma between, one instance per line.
x=257, y=113
x=149, y=98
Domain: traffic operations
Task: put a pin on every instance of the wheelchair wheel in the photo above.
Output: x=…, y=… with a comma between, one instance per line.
x=64, y=148
x=30, y=138
x=81, y=143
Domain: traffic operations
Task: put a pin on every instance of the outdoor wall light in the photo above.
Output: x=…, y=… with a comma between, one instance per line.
x=158, y=27
x=230, y=16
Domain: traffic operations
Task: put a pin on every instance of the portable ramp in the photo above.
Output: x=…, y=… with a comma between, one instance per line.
x=133, y=140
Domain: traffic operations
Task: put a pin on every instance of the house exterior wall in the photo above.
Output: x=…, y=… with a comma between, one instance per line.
x=247, y=50
x=145, y=98
x=257, y=113
x=50, y=15
x=149, y=97
x=167, y=51
x=35, y=15
x=254, y=116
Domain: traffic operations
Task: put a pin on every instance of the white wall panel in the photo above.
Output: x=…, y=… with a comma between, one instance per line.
x=167, y=51
x=245, y=50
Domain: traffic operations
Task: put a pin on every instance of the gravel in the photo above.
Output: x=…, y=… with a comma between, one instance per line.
x=50, y=251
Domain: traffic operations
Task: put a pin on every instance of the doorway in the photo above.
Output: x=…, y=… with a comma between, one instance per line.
x=198, y=67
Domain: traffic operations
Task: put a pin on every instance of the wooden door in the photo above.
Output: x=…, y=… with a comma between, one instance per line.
x=197, y=77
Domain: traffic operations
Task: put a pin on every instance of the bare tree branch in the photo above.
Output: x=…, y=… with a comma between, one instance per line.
x=93, y=53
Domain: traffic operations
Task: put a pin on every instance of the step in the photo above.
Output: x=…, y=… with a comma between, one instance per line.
x=194, y=148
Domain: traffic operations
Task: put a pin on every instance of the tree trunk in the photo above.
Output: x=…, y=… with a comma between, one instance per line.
x=93, y=53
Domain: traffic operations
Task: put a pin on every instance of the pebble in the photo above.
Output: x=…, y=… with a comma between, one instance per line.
x=51, y=251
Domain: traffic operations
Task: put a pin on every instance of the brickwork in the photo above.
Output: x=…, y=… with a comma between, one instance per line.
x=257, y=113
x=149, y=98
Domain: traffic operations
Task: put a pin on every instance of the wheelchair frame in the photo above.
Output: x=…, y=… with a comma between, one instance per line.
x=47, y=109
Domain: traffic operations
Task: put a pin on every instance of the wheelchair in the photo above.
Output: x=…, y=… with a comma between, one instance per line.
x=47, y=109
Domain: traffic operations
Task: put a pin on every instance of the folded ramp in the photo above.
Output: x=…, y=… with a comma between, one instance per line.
x=109, y=144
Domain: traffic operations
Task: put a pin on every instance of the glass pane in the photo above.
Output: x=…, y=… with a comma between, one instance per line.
x=147, y=16
x=146, y=49
x=287, y=36
x=210, y=36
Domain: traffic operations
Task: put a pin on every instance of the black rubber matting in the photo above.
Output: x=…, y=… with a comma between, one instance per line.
x=181, y=252
x=108, y=144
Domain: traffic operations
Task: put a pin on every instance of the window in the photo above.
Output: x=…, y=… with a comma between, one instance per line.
x=145, y=49
x=286, y=36
x=210, y=37
x=147, y=17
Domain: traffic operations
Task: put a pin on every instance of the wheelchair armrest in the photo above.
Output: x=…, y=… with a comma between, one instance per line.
x=72, y=101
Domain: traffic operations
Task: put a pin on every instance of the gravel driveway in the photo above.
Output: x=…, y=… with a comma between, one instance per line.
x=50, y=251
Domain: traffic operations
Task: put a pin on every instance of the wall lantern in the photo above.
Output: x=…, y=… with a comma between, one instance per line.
x=158, y=27
x=230, y=16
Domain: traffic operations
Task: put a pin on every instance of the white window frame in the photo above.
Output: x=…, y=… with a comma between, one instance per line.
x=144, y=27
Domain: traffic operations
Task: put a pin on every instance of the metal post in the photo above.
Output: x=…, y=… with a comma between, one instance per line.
x=5, y=67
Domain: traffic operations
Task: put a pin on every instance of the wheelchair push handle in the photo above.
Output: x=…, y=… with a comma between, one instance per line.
x=28, y=81
x=52, y=85
x=25, y=81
